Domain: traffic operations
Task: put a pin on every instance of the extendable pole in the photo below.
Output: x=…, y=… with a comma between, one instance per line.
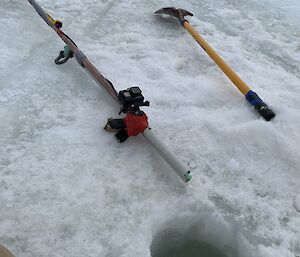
x=84, y=62
x=250, y=95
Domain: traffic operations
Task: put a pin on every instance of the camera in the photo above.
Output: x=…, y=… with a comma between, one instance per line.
x=131, y=100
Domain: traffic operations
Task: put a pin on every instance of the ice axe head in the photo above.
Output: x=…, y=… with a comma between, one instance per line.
x=177, y=13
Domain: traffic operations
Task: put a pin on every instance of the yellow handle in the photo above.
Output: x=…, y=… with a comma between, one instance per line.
x=239, y=83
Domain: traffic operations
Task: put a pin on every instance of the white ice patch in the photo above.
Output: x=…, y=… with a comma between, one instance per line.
x=3, y=99
x=233, y=165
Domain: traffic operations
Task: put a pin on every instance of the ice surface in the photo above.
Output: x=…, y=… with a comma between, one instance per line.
x=297, y=203
x=68, y=189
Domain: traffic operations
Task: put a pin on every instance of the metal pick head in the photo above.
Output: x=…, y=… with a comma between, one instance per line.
x=177, y=13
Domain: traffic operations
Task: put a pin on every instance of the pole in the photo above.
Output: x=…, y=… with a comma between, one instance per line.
x=261, y=107
x=84, y=62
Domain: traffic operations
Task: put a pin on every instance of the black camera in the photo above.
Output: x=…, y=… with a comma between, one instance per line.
x=132, y=99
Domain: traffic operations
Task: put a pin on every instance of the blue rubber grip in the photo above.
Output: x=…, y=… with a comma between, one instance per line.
x=253, y=98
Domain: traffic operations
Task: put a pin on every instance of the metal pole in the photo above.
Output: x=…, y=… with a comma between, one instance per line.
x=167, y=155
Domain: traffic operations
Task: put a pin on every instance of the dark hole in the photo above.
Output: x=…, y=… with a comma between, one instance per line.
x=191, y=249
x=176, y=244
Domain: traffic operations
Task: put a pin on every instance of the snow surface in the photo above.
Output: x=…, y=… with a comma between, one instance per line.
x=68, y=189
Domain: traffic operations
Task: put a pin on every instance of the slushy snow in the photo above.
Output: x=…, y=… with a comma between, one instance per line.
x=67, y=188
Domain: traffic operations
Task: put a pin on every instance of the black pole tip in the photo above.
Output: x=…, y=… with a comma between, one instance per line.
x=260, y=106
x=265, y=112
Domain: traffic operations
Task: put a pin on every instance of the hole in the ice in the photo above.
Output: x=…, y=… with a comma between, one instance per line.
x=201, y=237
x=190, y=248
